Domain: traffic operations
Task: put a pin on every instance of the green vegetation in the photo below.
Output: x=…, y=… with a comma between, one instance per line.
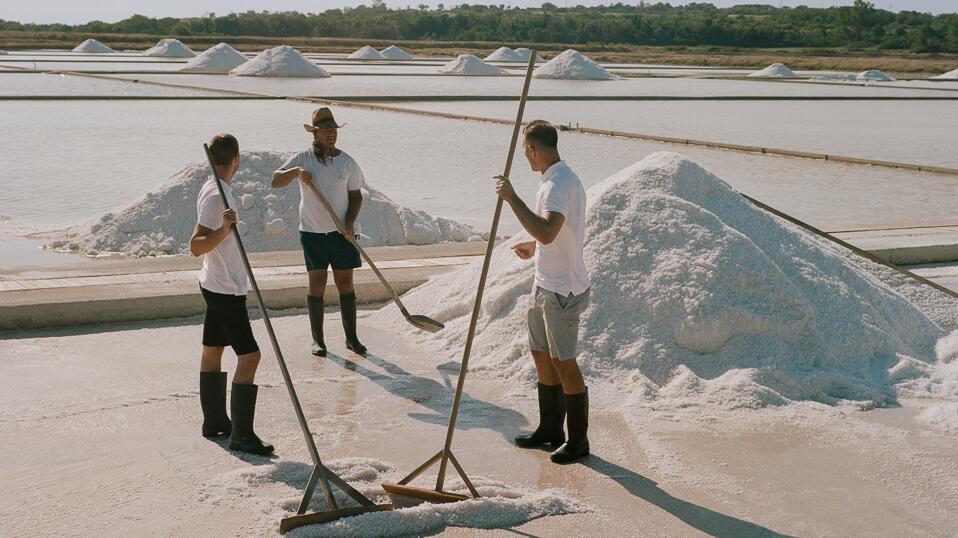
x=857, y=27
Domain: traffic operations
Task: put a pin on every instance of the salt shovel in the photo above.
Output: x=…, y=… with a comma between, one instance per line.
x=421, y=322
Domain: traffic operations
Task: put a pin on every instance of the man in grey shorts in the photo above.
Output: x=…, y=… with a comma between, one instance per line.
x=560, y=294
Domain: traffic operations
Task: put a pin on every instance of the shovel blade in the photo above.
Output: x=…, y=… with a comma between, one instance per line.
x=425, y=323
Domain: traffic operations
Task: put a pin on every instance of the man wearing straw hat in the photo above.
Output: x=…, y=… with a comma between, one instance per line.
x=340, y=180
x=560, y=293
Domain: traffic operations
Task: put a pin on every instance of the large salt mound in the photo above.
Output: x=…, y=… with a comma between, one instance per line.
x=467, y=64
x=698, y=298
x=366, y=53
x=170, y=48
x=163, y=220
x=503, y=54
x=282, y=61
x=572, y=64
x=220, y=58
x=951, y=75
x=874, y=74
x=775, y=70
x=392, y=52
x=92, y=45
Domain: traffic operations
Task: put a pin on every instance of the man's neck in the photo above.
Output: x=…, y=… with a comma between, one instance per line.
x=547, y=164
x=226, y=176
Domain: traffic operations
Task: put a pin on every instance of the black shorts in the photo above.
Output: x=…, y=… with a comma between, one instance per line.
x=227, y=323
x=323, y=250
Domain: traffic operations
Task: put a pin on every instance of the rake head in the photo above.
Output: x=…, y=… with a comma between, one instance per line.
x=425, y=323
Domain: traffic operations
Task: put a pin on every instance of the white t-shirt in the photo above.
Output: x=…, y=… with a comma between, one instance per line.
x=223, y=269
x=560, y=266
x=334, y=179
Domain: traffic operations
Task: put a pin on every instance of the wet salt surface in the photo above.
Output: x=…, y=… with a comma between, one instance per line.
x=905, y=131
x=50, y=84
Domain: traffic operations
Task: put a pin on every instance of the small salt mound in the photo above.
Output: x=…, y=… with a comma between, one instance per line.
x=699, y=299
x=366, y=53
x=572, y=65
x=951, y=75
x=169, y=48
x=503, y=54
x=774, y=71
x=3, y=52
x=282, y=61
x=392, y=52
x=467, y=64
x=523, y=54
x=92, y=45
x=162, y=221
x=221, y=58
x=874, y=74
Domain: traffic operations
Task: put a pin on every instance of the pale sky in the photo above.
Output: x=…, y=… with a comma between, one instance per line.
x=80, y=11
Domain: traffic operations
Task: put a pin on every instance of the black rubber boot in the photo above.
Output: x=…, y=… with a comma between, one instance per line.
x=243, y=409
x=213, y=402
x=347, y=307
x=577, y=417
x=551, y=419
x=315, y=307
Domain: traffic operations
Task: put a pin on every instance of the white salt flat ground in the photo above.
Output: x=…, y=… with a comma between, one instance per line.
x=135, y=463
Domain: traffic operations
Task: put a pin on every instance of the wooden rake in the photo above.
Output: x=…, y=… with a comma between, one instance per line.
x=445, y=455
x=320, y=472
x=419, y=321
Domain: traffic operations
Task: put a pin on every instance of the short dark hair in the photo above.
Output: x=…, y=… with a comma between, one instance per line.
x=542, y=134
x=224, y=148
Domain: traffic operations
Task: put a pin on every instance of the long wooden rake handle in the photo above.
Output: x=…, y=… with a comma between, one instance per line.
x=477, y=306
x=294, y=399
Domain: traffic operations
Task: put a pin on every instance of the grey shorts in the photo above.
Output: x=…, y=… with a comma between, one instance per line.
x=554, y=322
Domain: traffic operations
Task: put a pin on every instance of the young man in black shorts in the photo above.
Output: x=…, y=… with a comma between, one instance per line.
x=223, y=284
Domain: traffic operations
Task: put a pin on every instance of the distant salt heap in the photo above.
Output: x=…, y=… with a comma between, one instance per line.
x=572, y=65
x=874, y=75
x=503, y=54
x=3, y=52
x=92, y=46
x=169, y=48
x=467, y=64
x=775, y=70
x=393, y=52
x=951, y=75
x=699, y=300
x=366, y=53
x=221, y=58
x=523, y=54
x=163, y=220
x=282, y=61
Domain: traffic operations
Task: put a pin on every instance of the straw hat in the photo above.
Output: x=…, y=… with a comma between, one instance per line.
x=322, y=119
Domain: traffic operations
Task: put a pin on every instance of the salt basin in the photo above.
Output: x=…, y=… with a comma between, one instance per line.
x=874, y=75
x=392, y=52
x=775, y=70
x=951, y=75
x=162, y=221
x=221, y=58
x=366, y=53
x=282, y=61
x=503, y=54
x=572, y=65
x=92, y=46
x=169, y=48
x=699, y=301
x=467, y=64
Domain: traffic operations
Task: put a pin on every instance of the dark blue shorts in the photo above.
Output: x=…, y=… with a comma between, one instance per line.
x=323, y=250
x=227, y=323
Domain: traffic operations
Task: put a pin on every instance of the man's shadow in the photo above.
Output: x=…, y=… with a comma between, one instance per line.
x=437, y=396
x=708, y=521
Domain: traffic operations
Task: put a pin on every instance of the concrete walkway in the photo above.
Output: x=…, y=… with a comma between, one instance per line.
x=157, y=288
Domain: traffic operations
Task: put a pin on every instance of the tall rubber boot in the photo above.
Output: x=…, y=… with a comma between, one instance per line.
x=347, y=306
x=551, y=419
x=577, y=417
x=315, y=306
x=213, y=402
x=243, y=409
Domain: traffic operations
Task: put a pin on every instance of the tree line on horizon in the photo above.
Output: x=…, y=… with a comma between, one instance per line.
x=697, y=24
